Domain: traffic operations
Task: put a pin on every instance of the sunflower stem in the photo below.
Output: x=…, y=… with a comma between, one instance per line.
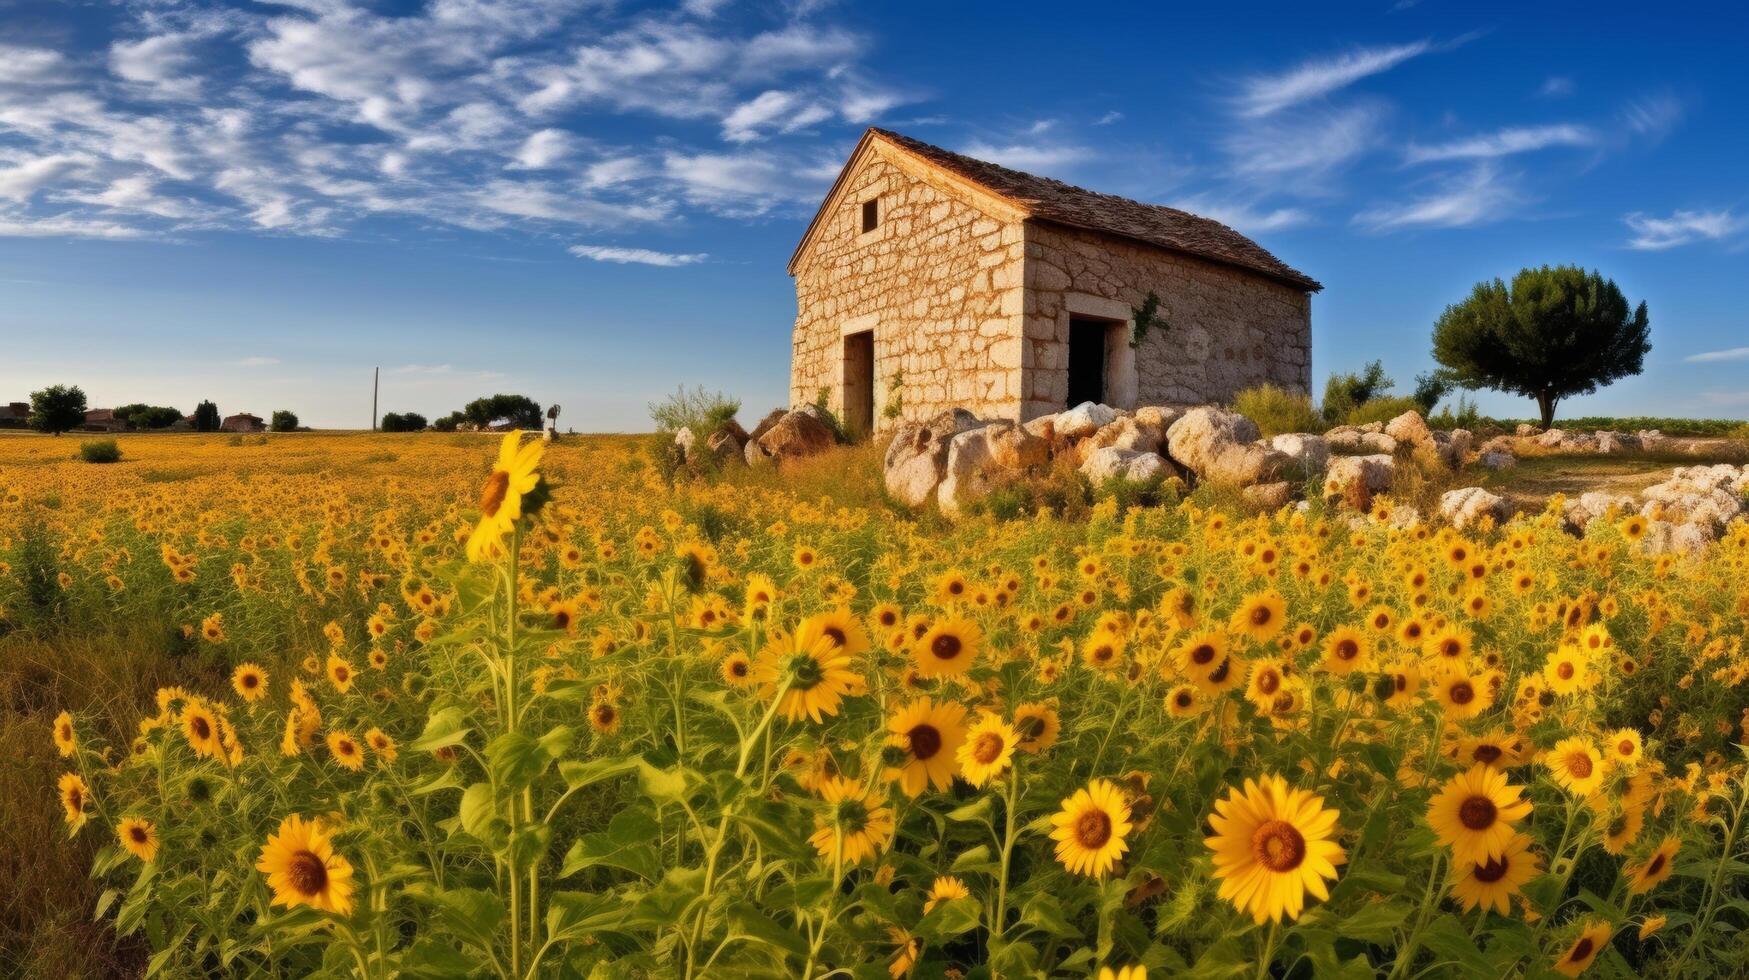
x=1716, y=882
x=1000, y=924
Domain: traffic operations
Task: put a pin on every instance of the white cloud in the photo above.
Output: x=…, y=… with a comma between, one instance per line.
x=1555, y=87
x=743, y=124
x=744, y=183
x=21, y=65
x=1652, y=116
x=1265, y=94
x=1034, y=158
x=23, y=180
x=542, y=149
x=617, y=170
x=1682, y=227
x=1711, y=356
x=639, y=256
x=163, y=64
x=1108, y=118
x=63, y=226
x=1245, y=217
x=528, y=200
x=1480, y=196
x=137, y=193
x=1519, y=139
x=1308, y=144
x=861, y=103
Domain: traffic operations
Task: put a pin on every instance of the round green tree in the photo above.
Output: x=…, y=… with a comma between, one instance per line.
x=57, y=408
x=1556, y=332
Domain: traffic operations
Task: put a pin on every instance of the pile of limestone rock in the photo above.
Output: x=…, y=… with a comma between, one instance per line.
x=785, y=434
x=1683, y=513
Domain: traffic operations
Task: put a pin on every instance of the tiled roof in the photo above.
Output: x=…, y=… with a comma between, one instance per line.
x=1065, y=204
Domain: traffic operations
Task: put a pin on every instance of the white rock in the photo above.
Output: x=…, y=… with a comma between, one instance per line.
x=1269, y=496
x=1707, y=495
x=1083, y=420
x=1112, y=463
x=1411, y=429
x=1593, y=504
x=916, y=459
x=1496, y=459
x=1613, y=443
x=1467, y=505
x=986, y=458
x=1221, y=447
x=1663, y=537
x=1527, y=429
x=1375, y=473
x=1309, y=452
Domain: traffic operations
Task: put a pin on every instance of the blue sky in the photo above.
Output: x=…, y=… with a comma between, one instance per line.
x=592, y=202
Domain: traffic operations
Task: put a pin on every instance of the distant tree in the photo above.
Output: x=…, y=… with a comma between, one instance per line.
x=284, y=421
x=1556, y=332
x=1344, y=393
x=57, y=408
x=403, y=422
x=142, y=416
x=1431, y=387
x=448, y=423
x=516, y=410
x=206, y=417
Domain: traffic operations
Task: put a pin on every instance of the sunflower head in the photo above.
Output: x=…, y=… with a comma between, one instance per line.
x=303, y=868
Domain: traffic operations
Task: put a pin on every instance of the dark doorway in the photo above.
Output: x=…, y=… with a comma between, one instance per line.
x=859, y=384
x=1087, y=361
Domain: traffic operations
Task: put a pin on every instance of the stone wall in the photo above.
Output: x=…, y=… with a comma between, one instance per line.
x=1229, y=329
x=939, y=283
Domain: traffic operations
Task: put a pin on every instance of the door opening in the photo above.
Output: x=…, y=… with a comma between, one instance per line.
x=1087, y=360
x=859, y=384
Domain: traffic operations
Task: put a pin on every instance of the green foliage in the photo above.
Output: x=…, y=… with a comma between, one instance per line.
x=1343, y=393
x=1146, y=318
x=822, y=402
x=57, y=408
x=1381, y=410
x=701, y=411
x=1556, y=332
x=142, y=416
x=448, y=423
x=895, y=405
x=519, y=411
x=1430, y=387
x=284, y=421
x=403, y=422
x=100, y=451
x=1465, y=415
x=206, y=417
x=1277, y=410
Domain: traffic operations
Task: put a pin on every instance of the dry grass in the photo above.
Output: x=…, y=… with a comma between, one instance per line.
x=46, y=925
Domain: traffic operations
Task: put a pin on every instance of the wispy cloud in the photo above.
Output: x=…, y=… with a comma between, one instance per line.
x=637, y=256
x=1479, y=196
x=1246, y=217
x=1729, y=354
x=1307, y=144
x=1556, y=87
x=1262, y=95
x=1520, y=139
x=1681, y=228
x=1108, y=118
x=1652, y=117
x=1041, y=158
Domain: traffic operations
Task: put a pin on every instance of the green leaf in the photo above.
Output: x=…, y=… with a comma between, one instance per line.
x=578, y=774
x=949, y=919
x=977, y=860
x=662, y=905
x=439, y=960
x=478, y=806
x=583, y=913
x=1045, y=913
x=625, y=844
x=1375, y=922
x=977, y=810
x=746, y=917
x=515, y=760
x=468, y=914
x=661, y=785
x=1447, y=937
x=445, y=727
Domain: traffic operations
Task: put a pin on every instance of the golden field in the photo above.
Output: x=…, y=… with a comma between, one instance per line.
x=426, y=705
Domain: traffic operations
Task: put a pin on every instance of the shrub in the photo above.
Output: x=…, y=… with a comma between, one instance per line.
x=1277, y=410
x=448, y=423
x=699, y=410
x=1343, y=393
x=206, y=417
x=100, y=451
x=403, y=422
x=142, y=416
x=284, y=421
x=1381, y=410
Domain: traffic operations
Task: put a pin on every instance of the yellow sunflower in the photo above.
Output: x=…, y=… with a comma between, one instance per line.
x=844, y=629
x=1657, y=866
x=1200, y=653
x=1123, y=973
x=250, y=682
x=988, y=749
x=345, y=750
x=945, y=888
x=1265, y=682
x=1585, y=948
x=854, y=825
x=1494, y=882
x=1183, y=701
x=926, y=736
x=948, y=648
x=1090, y=829
x=1272, y=844
x=1576, y=764
x=1260, y=616
x=1461, y=695
x=512, y=476
x=303, y=868
x=1346, y=650
x=75, y=798
x=818, y=675
x=201, y=730
x=340, y=673
x=380, y=743
x=1625, y=748
x=737, y=670
x=1475, y=813
x=139, y=837
x=66, y=742
x=1038, y=725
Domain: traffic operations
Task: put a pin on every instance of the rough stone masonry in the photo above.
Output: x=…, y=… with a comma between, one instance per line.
x=931, y=281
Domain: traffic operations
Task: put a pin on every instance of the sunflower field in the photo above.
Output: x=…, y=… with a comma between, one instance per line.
x=445, y=707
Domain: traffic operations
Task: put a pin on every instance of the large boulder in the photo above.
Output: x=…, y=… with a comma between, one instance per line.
x=1454, y=446
x=1350, y=440
x=1526, y=429
x=1593, y=504
x=1155, y=420
x=1707, y=495
x=797, y=435
x=729, y=443
x=1307, y=452
x=764, y=425
x=1663, y=537
x=1496, y=458
x=1468, y=505
x=916, y=459
x=1269, y=496
x=1652, y=440
x=1373, y=473
x=1082, y=421
x=1109, y=463
x=1222, y=447
x=1411, y=428
x=986, y=458
x=684, y=440
x=1615, y=443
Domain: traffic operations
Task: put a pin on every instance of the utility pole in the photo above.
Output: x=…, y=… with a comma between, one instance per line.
x=376, y=375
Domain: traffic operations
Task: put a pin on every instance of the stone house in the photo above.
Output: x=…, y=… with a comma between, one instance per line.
x=243, y=422
x=103, y=420
x=929, y=280
x=14, y=415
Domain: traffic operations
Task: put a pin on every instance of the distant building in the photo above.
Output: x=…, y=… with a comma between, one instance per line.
x=104, y=420
x=14, y=415
x=243, y=423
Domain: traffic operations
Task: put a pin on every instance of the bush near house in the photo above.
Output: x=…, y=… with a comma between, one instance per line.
x=1277, y=410
x=284, y=421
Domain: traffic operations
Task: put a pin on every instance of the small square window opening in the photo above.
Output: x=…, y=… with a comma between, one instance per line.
x=871, y=214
